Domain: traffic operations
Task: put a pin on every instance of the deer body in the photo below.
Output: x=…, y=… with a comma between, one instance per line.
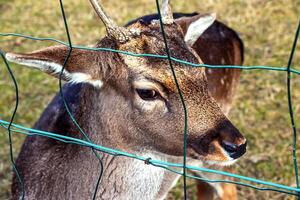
x=126, y=103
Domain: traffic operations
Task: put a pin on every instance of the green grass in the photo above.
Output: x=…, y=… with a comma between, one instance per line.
x=260, y=109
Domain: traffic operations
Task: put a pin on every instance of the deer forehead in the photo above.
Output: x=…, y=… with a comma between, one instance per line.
x=189, y=79
x=151, y=42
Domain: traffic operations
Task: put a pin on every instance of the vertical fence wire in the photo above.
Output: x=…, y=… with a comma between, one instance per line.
x=11, y=155
x=289, y=96
x=66, y=104
x=185, y=130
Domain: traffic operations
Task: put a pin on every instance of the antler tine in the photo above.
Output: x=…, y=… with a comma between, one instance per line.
x=121, y=34
x=166, y=12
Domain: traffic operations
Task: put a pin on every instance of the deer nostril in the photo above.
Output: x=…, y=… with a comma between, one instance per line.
x=229, y=147
x=234, y=151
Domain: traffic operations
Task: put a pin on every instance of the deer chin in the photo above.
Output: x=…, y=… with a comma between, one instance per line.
x=222, y=163
x=209, y=161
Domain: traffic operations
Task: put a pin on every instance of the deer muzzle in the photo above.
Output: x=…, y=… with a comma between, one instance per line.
x=221, y=145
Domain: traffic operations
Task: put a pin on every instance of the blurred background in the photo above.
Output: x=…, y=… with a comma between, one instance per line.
x=260, y=109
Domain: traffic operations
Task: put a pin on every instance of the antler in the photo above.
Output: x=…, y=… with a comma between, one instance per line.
x=121, y=34
x=166, y=12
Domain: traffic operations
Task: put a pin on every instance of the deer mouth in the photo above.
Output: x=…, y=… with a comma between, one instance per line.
x=222, y=160
x=216, y=152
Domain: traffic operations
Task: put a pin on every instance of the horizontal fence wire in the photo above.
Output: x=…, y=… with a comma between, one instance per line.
x=256, y=67
x=178, y=168
x=70, y=140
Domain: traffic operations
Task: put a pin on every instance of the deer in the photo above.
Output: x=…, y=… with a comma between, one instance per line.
x=126, y=103
x=217, y=45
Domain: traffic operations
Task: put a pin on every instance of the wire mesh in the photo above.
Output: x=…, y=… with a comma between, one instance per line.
x=180, y=167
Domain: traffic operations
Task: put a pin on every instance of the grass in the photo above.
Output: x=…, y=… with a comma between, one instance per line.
x=260, y=109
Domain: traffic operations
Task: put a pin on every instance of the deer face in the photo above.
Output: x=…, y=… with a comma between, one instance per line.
x=147, y=112
x=157, y=106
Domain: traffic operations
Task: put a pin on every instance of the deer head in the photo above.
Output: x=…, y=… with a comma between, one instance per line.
x=133, y=101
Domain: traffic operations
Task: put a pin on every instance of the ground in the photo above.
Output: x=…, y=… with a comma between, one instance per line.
x=260, y=109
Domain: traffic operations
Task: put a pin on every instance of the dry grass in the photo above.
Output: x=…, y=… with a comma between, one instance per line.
x=260, y=111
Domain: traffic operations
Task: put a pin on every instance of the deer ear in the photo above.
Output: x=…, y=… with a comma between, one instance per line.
x=197, y=28
x=78, y=69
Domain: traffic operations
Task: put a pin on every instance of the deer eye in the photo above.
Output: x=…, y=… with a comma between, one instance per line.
x=147, y=94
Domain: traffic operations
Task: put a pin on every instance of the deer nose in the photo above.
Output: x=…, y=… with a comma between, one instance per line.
x=234, y=151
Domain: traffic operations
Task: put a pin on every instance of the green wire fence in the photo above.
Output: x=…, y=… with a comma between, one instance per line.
x=179, y=168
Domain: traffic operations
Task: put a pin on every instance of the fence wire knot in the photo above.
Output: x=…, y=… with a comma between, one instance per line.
x=147, y=161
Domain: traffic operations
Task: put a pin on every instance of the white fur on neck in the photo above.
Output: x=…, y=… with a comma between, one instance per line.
x=144, y=180
x=54, y=68
x=196, y=28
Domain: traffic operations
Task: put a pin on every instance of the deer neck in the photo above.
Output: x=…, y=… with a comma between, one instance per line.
x=126, y=178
